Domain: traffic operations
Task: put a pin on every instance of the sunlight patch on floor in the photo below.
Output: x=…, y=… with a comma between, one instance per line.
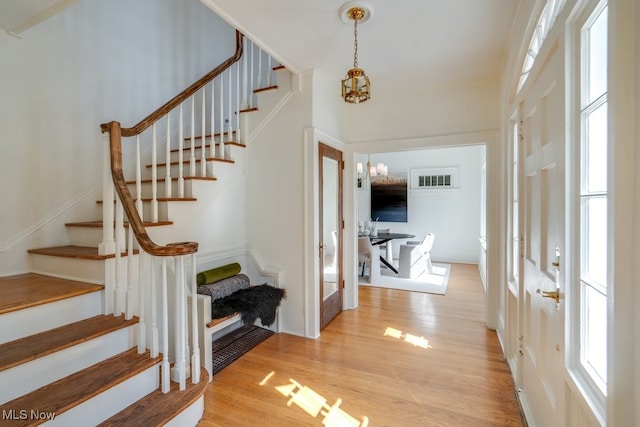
x=314, y=404
x=415, y=340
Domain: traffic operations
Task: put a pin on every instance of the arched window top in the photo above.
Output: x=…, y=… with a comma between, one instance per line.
x=546, y=20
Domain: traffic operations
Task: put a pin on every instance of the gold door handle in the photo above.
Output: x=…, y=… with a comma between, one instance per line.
x=546, y=294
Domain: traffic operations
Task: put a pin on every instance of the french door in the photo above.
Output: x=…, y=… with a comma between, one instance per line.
x=330, y=193
x=541, y=302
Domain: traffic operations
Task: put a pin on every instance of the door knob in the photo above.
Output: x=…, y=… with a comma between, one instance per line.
x=547, y=294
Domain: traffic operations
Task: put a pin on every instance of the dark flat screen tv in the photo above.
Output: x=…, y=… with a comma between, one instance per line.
x=389, y=199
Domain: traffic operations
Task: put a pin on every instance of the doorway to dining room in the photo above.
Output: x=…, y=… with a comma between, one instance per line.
x=446, y=196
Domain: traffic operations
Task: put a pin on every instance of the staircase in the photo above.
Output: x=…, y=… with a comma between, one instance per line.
x=75, y=349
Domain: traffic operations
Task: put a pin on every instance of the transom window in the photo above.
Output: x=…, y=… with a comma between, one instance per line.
x=546, y=20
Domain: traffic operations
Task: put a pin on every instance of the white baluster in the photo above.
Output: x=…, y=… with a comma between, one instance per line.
x=238, y=140
x=139, y=204
x=108, y=245
x=212, y=148
x=165, y=331
x=245, y=86
x=252, y=72
x=192, y=159
x=120, y=273
x=154, y=175
x=195, y=355
x=203, y=137
x=142, y=284
x=230, y=105
x=221, y=96
x=167, y=176
x=180, y=155
x=259, y=83
x=269, y=70
x=130, y=276
x=154, y=285
x=179, y=371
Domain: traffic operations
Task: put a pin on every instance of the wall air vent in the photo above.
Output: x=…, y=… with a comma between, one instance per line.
x=428, y=181
x=435, y=179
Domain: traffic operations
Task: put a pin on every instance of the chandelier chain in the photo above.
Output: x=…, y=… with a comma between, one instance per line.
x=355, y=43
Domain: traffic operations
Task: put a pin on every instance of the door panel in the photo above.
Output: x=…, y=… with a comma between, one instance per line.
x=331, y=282
x=543, y=367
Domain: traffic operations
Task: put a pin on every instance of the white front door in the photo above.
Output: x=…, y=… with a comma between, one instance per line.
x=542, y=198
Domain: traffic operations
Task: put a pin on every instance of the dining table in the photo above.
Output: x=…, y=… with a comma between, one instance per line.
x=380, y=238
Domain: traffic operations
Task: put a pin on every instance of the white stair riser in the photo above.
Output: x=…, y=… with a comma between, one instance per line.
x=86, y=270
x=186, y=155
x=85, y=236
x=214, y=168
x=33, y=320
x=109, y=402
x=146, y=188
x=190, y=416
x=147, y=211
x=32, y=375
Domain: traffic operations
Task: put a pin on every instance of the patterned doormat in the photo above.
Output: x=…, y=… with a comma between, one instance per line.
x=233, y=345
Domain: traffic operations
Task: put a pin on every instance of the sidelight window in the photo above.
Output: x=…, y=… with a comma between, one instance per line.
x=593, y=198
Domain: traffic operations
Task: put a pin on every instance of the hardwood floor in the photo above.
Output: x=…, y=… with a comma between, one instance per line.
x=454, y=375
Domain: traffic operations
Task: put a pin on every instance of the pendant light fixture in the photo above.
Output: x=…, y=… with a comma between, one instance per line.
x=355, y=86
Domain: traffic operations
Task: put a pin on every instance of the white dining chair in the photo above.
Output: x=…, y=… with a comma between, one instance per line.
x=367, y=254
x=415, y=258
x=387, y=247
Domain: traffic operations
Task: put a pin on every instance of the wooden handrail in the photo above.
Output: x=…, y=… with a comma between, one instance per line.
x=116, y=132
x=135, y=222
x=181, y=97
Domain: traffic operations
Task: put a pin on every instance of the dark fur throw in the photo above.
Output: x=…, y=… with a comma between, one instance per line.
x=252, y=303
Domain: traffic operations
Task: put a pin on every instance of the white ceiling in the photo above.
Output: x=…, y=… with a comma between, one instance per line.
x=407, y=43
x=428, y=43
x=17, y=16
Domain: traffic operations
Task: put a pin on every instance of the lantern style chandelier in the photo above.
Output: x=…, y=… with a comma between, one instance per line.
x=355, y=86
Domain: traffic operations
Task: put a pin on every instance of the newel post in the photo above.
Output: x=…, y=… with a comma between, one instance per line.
x=108, y=244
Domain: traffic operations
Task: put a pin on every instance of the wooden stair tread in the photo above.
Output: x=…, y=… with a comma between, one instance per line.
x=198, y=147
x=198, y=160
x=64, y=394
x=98, y=224
x=44, y=343
x=264, y=89
x=215, y=322
x=187, y=139
x=248, y=110
x=30, y=290
x=186, y=178
x=162, y=199
x=159, y=408
x=72, y=251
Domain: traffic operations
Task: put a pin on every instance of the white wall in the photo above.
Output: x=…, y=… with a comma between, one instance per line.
x=275, y=195
x=466, y=107
x=452, y=215
x=94, y=62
